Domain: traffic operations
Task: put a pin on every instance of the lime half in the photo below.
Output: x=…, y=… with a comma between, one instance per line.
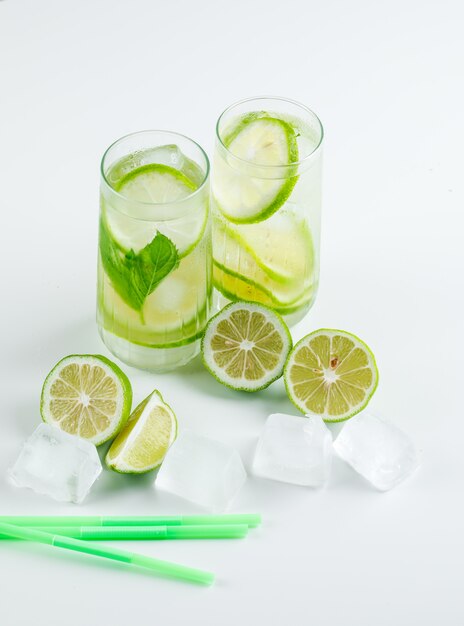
x=245, y=346
x=87, y=395
x=331, y=373
x=157, y=183
x=143, y=442
x=260, y=140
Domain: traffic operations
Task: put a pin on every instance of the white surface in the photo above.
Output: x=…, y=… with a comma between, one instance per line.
x=386, y=79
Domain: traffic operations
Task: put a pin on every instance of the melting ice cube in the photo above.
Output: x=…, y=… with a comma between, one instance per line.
x=377, y=450
x=204, y=471
x=57, y=464
x=294, y=450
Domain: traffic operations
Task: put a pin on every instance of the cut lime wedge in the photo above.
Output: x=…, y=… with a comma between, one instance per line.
x=87, y=395
x=331, y=373
x=142, y=444
x=157, y=183
x=245, y=346
x=260, y=140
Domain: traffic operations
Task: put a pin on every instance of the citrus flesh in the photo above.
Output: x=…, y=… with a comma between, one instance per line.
x=331, y=373
x=88, y=396
x=245, y=346
x=142, y=444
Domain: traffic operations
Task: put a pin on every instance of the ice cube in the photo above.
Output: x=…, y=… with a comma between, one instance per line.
x=377, y=450
x=57, y=464
x=294, y=450
x=204, y=471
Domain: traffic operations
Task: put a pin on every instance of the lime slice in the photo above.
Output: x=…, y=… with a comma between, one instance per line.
x=245, y=346
x=331, y=373
x=235, y=287
x=87, y=395
x=157, y=183
x=234, y=259
x=175, y=312
x=282, y=247
x=262, y=141
x=143, y=442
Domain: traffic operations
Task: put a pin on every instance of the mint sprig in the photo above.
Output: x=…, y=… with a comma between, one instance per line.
x=136, y=275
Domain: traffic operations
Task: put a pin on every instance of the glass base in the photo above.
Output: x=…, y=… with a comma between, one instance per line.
x=219, y=301
x=150, y=359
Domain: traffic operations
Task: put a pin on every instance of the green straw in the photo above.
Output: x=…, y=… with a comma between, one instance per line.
x=164, y=568
x=220, y=531
x=252, y=520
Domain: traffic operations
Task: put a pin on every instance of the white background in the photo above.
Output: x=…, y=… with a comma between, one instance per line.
x=386, y=80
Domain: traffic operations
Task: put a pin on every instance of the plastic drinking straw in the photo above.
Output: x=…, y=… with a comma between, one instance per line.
x=164, y=568
x=221, y=531
x=250, y=519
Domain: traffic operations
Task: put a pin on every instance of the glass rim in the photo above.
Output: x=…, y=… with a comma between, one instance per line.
x=281, y=99
x=155, y=204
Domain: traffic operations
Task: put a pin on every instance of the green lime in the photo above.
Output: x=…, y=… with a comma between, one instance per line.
x=282, y=247
x=245, y=346
x=159, y=184
x=142, y=444
x=236, y=287
x=234, y=259
x=331, y=373
x=263, y=141
x=87, y=395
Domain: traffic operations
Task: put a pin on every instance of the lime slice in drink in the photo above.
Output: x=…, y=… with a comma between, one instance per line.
x=262, y=141
x=87, y=395
x=331, y=373
x=245, y=346
x=143, y=442
x=233, y=258
x=157, y=183
x=233, y=287
x=282, y=247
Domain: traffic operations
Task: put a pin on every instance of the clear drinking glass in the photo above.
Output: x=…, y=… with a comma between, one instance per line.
x=266, y=199
x=154, y=267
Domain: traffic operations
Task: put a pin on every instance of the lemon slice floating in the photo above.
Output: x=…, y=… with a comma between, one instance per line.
x=142, y=444
x=87, y=395
x=245, y=346
x=331, y=373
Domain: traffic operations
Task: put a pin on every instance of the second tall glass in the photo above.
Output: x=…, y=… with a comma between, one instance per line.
x=266, y=195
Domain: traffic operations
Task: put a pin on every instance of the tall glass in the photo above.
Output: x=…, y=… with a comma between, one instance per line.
x=266, y=198
x=154, y=267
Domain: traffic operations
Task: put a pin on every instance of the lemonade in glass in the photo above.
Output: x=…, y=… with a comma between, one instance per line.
x=154, y=267
x=266, y=199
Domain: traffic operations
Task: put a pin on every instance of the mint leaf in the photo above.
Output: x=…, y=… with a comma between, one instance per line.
x=150, y=266
x=136, y=275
